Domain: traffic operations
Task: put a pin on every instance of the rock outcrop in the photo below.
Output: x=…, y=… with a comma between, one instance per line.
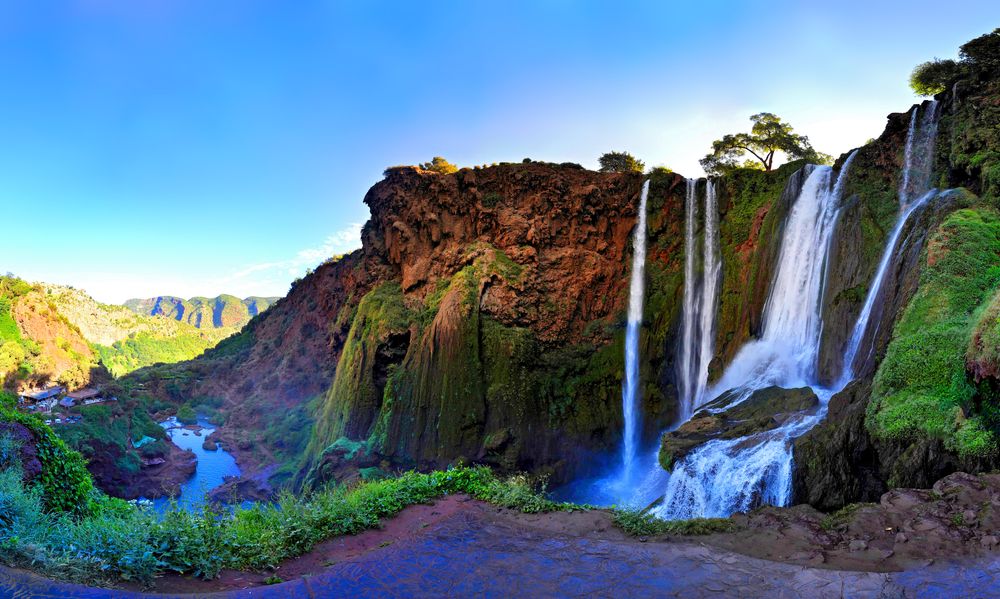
x=765, y=410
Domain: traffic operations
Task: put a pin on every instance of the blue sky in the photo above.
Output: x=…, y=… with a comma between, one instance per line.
x=194, y=148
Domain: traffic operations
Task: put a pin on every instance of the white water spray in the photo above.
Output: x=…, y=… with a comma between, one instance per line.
x=701, y=290
x=724, y=476
x=785, y=354
x=630, y=388
x=689, y=312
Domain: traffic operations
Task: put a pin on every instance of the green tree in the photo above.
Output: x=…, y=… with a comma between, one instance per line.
x=982, y=54
x=439, y=165
x=620, y=162
x=934, y=76
x=978, y=58
x=768, y=136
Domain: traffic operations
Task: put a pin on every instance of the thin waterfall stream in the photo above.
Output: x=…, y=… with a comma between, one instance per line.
x=630, y=387
x=701, y=289
x=910, y=186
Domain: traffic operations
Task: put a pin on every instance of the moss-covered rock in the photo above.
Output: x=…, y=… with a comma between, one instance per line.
x=921, y=389
x=765, y=410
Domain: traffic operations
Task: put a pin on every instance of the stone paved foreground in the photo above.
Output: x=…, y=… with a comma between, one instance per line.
x=467, y=556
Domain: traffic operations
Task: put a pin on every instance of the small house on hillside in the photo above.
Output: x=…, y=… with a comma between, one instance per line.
x=31, y=398
x=83, y=395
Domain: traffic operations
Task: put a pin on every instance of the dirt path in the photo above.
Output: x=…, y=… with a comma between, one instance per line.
x=459, y=547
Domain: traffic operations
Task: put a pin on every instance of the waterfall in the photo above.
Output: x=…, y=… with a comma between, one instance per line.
x=701, y=290
x=724, y=476
x=786, y=352
x=711, y=278
x=918, y=157
x=630, y=386
x=917, y=168
x=689, y=312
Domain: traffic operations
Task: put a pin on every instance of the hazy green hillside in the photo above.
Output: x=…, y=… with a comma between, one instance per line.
x=60, y=334
x=203, y=312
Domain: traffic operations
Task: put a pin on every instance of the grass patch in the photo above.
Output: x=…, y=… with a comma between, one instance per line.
x=641, y=524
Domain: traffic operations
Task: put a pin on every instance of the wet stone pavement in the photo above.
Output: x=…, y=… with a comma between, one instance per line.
x=468, y=556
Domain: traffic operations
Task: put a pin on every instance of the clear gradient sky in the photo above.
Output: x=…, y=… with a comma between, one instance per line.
x=194, y=148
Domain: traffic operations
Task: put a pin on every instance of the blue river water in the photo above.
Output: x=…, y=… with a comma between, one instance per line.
x=212, y=466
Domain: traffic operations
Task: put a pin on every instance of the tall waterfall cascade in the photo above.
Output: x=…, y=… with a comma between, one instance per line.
x=701, y=292
x=724, y=476
x=630, y=387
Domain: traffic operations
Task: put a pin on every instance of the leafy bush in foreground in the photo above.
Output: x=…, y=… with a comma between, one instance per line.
x=117, y=541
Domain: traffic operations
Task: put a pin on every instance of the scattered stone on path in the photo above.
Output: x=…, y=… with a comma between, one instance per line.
x=858, y=545
x=901, y=537
x=989, y=541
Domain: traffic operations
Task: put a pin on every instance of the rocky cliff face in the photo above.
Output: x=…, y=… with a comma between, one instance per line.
x=924, y=404
x=483, y=320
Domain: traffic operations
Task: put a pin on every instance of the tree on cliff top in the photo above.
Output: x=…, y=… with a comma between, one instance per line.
x=620, y=162
x=978, y=58
x=439, y=165
x=768, y=136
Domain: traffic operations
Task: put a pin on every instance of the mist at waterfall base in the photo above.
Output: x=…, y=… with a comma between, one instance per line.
x=616, y=481
x=722, y=477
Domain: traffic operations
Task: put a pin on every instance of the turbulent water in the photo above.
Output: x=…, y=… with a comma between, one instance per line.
x=701, y=289
x=726, y=476
x=785, y=354
x=630, y=387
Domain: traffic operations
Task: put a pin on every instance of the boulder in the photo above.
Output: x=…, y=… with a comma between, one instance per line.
x=765, y=410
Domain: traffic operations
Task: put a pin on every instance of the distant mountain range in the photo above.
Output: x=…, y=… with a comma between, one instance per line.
x=52, y=333
x=223, y=311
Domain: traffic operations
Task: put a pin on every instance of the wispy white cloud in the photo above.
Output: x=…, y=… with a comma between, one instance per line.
x=270, y=278
x=340, y=242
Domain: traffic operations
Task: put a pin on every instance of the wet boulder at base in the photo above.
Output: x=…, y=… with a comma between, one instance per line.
x=764, y=410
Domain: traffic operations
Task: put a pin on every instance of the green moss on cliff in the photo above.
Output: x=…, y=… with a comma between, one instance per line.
x=921, y=389
x=749, y=234
x=355, y=395
x=970, y=134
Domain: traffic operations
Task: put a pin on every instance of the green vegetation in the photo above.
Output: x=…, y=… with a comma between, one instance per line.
x=768, y=136
x=921, y=389
x=979, y=59
x=934, y=76
x=186, y=415
x=145, y=349
x=20, y=358
x=439, y=165
x=108, y=433
x=840, y=519
x=620, y=162
x=64, y=482
x=639, y=523
x=116, y=541
x=355, y=395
